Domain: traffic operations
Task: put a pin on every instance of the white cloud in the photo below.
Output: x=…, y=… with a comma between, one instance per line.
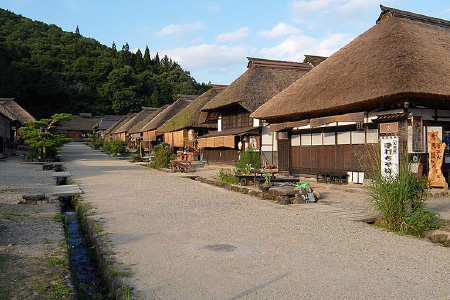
x=295, y=46
x=303, y=10
x=238, y=34
x=209, y=56
x=179, y=28
x=280, y=30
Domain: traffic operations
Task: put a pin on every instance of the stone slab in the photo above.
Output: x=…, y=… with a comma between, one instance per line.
x=67, y=190
x=61, y=174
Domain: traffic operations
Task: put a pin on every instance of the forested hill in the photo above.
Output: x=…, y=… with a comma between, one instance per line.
x=49, y=70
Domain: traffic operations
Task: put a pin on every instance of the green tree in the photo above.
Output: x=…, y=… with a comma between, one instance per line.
x=154, y=99
x=41, y=136
x=147, y=58
x=139, y=61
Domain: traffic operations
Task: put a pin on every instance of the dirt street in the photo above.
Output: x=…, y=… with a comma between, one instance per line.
x=189, y=240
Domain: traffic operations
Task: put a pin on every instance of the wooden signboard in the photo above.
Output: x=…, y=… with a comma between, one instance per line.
x=417, y=135
x=435, y=159
x=389, y=127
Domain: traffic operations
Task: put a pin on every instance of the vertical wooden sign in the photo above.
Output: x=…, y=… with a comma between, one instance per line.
x=436, y=156
x=417, y=134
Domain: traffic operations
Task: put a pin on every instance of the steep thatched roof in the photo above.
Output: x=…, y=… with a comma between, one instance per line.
x=188, y=117
x=106, y=122
x=399, y=59
x=13, y=111
x=262, y=80
x=119, y=123
x=137, y=128
x=79, y=123
x=169, y=112
x=145, y=112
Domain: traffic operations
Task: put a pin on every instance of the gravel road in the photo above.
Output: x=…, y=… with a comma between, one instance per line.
x=189, y=240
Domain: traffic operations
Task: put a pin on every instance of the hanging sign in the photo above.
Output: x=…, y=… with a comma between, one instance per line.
x=389, y=127
x=436, y=155
x=417, y=134
x=389, y=156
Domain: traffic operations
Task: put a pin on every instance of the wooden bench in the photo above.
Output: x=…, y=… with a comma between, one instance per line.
x=61, y=177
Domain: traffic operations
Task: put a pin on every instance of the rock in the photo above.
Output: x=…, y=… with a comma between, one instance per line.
x=10, y=245
x=47, y=167
x=284, y=200
x=317, y=195
x=33, y=197
x=282, y=191
x=439, y=236
x=298, y=200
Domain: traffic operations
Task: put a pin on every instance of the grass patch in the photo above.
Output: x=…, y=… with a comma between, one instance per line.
x=227, y=176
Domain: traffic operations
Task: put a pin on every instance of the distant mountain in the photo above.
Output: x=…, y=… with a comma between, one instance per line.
x=49, y=70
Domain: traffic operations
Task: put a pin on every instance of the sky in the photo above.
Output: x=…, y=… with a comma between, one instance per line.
x=212, y=39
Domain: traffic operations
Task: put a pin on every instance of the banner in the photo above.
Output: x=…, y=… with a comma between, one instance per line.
x=389, y=156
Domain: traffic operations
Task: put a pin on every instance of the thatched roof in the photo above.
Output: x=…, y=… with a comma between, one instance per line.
x=13, y=111
x=137, y=128
x=78, y=123
x=119, y=123
x=314, y=60
x=106, y=122
x=399, y=59
x=145, y=112
x=262, y=80
x=188, y=117
x=169, y=112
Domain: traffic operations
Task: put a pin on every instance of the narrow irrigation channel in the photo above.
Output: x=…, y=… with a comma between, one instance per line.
x=83, y=266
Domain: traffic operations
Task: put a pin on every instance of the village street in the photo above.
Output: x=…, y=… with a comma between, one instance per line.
x=189, y=240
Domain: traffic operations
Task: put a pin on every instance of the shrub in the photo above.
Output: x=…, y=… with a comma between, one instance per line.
x=116, y=148
x=162, y=156
x=227, y=176
x=96, y=142
x=248, y=160
x=137, y=158
x=420, y=221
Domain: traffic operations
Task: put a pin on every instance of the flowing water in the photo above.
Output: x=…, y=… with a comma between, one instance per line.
x=83, y=266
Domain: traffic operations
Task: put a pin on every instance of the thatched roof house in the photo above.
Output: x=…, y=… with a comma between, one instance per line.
x=14, y=112
x=106, y=122
x=262, y=80
x=145, y=112
x=169, y=112
x=404, y=57
x=119, y=123
x=139, y=126
x=79, y=124
x=189, y=117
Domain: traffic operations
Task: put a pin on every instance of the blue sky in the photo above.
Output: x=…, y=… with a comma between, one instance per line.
x=211, y=39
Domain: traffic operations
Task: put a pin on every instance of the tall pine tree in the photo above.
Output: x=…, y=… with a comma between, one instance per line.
x=147, y=58
x=154, y=99
x=139, y=61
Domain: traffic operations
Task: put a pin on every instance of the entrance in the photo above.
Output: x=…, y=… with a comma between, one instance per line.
x=284, y=146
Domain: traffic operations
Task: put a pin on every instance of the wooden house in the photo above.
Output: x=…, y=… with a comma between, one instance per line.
x=136, y=134
x=12, y=117
x=79, y=126
x=109, y=134
x=150, y=133
x=395, y=73
x=183, y=129
x=105, y=123
x=231, y=109
x=122, y=131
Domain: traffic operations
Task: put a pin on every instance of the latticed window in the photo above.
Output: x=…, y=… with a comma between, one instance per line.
x=237, y=120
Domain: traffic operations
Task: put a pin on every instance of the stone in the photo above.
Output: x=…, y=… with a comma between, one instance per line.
x=284, y=200
x=33, y=197
x=47, y=167
x=298, y=200
x=317, y=195
x=283, y=191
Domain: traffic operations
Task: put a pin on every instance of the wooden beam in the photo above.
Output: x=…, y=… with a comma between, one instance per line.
x=287, y=125
x=351, y=117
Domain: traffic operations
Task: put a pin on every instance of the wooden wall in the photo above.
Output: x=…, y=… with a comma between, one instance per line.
x=224, y=156
x=312, y=159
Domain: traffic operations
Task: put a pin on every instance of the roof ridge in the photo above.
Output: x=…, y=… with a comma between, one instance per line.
x=272, y=63
x=412, y=16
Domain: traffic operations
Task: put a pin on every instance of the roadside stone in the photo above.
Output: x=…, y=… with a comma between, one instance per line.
x=439, y=236
x=283, y=191
x=34, y=197
x=284, y=200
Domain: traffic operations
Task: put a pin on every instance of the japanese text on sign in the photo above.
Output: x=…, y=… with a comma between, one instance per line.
x=389, y=156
